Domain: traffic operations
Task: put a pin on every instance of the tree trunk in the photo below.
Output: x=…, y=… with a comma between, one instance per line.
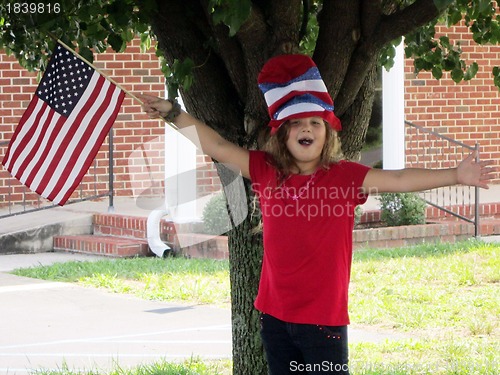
x=245, y=262
x=245, y=258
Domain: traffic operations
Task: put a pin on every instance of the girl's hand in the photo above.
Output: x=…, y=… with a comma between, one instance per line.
x=471, y=173
x=154, y=107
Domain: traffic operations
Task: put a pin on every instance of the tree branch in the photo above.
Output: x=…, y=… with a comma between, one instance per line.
x=371, y=12
x=285, y=21
x=366, y=54
x=252, y=36
x=212, y=94
x=338, y=21
x=272, y=28
x=231, y=55
x=405, y=21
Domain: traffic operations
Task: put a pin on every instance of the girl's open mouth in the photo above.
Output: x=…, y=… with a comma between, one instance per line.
x=305, y=141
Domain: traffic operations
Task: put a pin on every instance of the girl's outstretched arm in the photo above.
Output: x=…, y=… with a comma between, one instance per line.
x=468, y=172
x=212, y=144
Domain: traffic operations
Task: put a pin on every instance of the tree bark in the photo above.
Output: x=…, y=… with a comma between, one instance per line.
x=357, y=118
x=245, y=259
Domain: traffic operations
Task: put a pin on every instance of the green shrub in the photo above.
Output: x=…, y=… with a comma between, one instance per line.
x=358, y=212
x=215, y=216
x=402, y=209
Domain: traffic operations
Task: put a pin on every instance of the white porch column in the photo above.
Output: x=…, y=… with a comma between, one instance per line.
x=180, y=175
x=394, y=113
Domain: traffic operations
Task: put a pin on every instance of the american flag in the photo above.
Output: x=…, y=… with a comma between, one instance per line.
x=63, y=128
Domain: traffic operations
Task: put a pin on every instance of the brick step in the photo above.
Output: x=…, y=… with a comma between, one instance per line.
x=102, y=245
x=126, y=226
x=120, y=226
x=490, y=226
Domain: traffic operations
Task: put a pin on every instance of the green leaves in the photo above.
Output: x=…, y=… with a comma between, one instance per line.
x=116, y=42
x=86, y=53
x=232, y=13
x=183, y=72
x=479, y=15
x=308, y=42
x=402, y=209
x=446, y=57
x=86, y=25
x=484, y=19
x=388, y=53
x=471, y=71
x=496, y=75
x=179, y=74
x=439, y=55
x=442, y=4
x=486, y=30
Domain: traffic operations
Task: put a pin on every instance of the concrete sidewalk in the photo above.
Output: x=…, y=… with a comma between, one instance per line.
x=50, y=324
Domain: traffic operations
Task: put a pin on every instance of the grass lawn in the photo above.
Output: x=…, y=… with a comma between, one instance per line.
x=444, y=298
x=189, y=367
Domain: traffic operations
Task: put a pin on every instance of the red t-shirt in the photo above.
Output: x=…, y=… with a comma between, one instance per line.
x=307, y=241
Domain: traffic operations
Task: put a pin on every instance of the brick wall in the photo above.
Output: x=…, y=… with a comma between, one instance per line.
x=468, y=112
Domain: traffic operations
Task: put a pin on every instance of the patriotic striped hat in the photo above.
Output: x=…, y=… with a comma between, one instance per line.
x=293, y=88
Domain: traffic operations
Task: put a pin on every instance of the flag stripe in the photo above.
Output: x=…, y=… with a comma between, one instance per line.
x=63, y=160
x=25, y=129
x=17, y=137
x=310, y=74
x=41, y=155
x=39, y=145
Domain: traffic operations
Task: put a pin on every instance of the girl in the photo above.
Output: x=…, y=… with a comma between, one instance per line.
x=307, y=198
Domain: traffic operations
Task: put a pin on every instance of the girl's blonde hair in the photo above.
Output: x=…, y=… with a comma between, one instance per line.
x=283, y=160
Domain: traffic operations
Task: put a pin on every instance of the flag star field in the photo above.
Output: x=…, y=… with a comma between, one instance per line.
x=64, y=81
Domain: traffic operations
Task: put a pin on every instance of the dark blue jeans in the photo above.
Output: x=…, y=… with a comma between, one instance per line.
x=304, y=348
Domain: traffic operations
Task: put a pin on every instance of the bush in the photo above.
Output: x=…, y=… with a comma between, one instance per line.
x=215, y=216
x=358, y=212
x=402, y=209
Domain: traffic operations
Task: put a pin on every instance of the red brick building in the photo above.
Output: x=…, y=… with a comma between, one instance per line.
x=469, y=112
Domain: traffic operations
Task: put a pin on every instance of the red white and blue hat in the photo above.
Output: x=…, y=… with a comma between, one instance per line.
x=293, y=88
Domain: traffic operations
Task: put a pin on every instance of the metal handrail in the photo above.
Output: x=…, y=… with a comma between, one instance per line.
x=41, y=201
x=448, y=208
